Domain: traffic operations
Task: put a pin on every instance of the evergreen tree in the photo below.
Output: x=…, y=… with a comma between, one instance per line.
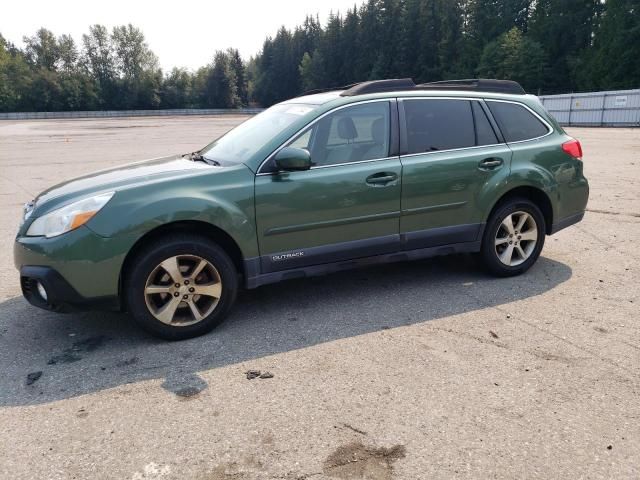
x=237, y=66
x=312, y=71
x=221, y=90
x=514, y=57
x=565, y=28
x=613, y=61
x=350, y=47
x=177, y=89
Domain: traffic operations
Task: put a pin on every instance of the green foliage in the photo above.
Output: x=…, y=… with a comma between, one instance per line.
x=221, y=90
x=238, y=70
x=549, y=46
x=512, y=56
x=614, y=60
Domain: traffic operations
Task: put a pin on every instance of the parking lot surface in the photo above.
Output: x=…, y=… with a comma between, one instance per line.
x=419, y=370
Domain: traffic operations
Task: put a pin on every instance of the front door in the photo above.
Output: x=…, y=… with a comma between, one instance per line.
x=346, y=206
x=451, y=154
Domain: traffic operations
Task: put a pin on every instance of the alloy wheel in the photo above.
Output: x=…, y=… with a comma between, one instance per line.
x=516, y=238
x=183, y=290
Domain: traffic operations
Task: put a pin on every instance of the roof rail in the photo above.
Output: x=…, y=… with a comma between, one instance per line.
x=313, y=91
x=376, y=86
x=474, y=84
x=477, y=84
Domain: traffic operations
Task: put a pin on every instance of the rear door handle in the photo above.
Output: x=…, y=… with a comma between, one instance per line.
x=381, y=178
x=490, y=163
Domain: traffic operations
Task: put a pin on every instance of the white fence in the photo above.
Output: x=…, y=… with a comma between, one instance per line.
x=617, y=108
x=128, y=113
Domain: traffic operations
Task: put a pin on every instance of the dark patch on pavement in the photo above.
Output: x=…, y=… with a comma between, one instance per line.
x=73, y=354
x=251, y=374
x=355, y=460
x=552, y=357
x=186, y=386
x=33, y=377
x=127, y=362
x=65, y=357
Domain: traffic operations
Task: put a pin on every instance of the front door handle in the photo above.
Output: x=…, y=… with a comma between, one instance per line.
x=490, y=163
x=381, y=178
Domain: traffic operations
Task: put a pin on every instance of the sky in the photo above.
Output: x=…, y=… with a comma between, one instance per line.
x=182, y=33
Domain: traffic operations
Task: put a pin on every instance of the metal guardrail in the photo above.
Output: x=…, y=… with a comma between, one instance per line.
x=128, y=113
x=616, y=108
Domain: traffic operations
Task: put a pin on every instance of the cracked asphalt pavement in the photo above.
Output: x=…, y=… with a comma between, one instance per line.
x=419, y=370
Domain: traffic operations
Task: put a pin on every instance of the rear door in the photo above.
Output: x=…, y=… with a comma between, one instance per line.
x=450, y=154
x=347, y=205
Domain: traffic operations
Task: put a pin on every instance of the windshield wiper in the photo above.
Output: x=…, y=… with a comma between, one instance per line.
x=198, y=157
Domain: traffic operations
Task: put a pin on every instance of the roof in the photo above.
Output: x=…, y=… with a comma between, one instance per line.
x=316, y=98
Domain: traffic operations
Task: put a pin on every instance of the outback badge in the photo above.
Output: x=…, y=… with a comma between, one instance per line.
x=287, y=256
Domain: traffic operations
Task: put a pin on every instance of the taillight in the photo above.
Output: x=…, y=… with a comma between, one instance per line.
x=573, y=148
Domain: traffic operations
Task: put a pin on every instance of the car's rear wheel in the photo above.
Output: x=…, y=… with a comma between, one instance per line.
x=181, y=286
x=513, y=237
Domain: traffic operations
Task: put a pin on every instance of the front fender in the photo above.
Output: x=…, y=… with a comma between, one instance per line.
x=222, y=200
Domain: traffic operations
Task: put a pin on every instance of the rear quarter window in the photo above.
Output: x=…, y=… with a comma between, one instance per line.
x=517, y=122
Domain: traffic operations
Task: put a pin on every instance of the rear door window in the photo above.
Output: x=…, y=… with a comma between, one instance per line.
x=438, y=124
x=516, y=122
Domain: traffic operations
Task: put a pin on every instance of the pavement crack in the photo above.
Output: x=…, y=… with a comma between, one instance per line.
x=31, y=195
x=474, y=337
x=357, y=430
x=604, y=242
x=609, y=212
x=579, y=347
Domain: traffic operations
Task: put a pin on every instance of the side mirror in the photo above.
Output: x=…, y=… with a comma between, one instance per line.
x=291, y=159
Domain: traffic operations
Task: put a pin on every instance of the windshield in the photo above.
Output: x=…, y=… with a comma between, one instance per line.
x=239, y=144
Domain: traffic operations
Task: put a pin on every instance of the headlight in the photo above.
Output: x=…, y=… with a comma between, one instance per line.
x=68, y=217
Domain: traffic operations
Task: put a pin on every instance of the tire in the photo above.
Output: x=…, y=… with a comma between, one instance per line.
x=495, y=255
x=191, y=300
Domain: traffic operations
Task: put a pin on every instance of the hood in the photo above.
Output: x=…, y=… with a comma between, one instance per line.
x=118, y=178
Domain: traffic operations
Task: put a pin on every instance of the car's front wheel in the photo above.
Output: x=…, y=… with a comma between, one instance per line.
x=513, y=237
x=181, y=286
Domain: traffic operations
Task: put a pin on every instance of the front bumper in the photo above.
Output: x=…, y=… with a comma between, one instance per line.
x=60, y=296
x=80, y=270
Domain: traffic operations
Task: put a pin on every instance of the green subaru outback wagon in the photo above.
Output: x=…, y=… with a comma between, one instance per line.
x=376, y=172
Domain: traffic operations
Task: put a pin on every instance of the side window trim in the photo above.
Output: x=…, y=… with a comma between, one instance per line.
x=404, y=142
x=475, y=125
x=394, y=130
x=391, y=103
